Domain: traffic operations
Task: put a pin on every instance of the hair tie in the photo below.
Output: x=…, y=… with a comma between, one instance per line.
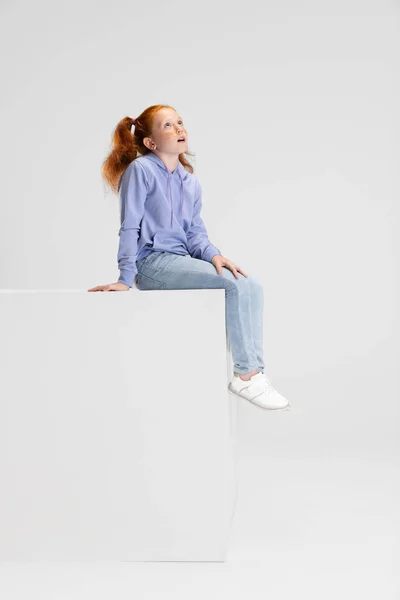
x=134, y=120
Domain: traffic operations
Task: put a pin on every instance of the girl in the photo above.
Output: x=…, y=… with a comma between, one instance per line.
x=164, y=243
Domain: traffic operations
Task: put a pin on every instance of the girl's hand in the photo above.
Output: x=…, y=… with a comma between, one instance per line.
x=220, y=261
x=111, y=287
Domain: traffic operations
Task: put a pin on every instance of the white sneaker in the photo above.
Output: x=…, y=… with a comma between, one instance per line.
x=258, y=390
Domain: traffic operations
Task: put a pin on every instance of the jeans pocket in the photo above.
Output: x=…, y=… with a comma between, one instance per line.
x=150, y=259
x=143, y=282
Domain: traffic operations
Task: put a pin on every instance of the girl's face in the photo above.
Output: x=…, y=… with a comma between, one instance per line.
x=168, y=128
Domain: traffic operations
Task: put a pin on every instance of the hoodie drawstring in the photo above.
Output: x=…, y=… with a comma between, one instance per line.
x=170, y=195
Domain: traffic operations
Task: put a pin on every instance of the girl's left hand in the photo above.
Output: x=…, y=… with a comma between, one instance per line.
x=220, y=261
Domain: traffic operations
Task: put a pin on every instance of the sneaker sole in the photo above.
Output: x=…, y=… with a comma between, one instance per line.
x=287, y=407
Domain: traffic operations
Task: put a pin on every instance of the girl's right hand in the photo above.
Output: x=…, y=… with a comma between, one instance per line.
x=111, y=287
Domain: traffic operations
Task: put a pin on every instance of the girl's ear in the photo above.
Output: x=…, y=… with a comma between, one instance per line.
x=148, y=143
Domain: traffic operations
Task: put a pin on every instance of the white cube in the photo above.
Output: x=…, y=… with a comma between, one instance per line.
x=117, y=431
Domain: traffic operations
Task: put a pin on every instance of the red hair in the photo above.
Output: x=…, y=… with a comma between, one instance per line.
x=127, y=145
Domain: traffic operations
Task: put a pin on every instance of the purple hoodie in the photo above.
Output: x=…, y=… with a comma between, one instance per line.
x=160, y=212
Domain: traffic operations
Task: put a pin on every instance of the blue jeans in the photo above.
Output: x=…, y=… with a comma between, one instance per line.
x=244, y=299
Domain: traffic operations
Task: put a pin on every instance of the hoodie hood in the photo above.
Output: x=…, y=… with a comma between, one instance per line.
x=180, y=172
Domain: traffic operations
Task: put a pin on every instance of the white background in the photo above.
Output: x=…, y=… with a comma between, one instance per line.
x=292, y=112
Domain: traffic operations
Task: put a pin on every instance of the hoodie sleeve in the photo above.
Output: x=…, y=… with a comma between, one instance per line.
x=132, y=193
x=199, y=245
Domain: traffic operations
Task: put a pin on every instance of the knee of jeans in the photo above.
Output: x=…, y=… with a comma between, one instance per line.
x=254, y=282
